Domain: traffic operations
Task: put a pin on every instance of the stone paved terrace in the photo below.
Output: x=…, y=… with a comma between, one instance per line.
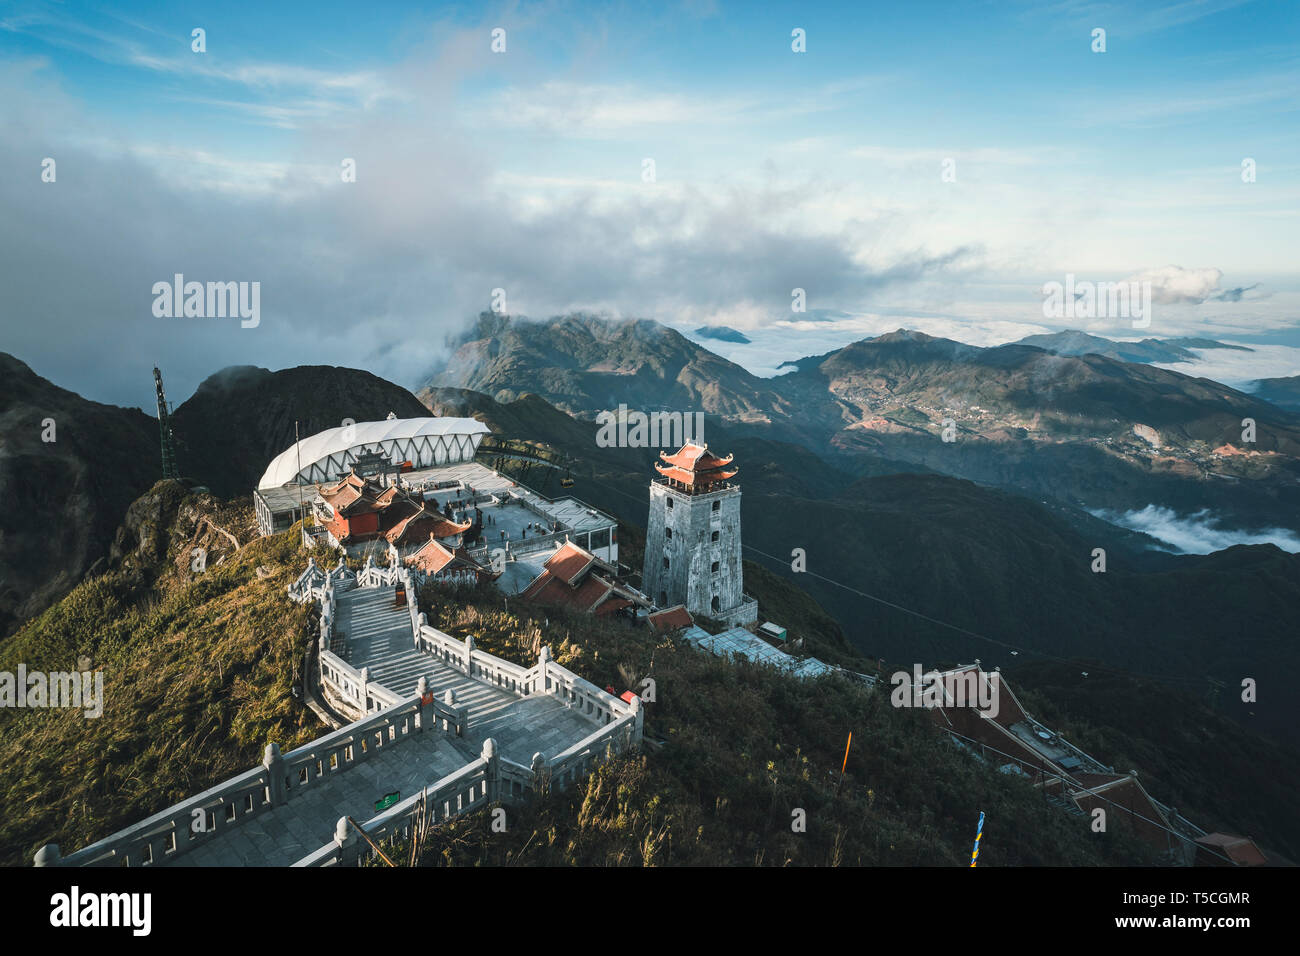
x=287, y=833
x=378, y=636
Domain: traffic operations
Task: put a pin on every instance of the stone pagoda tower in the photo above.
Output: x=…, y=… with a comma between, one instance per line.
x=692, y=547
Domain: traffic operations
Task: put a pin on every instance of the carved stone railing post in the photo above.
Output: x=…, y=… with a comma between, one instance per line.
x=48, y=855
x=639, y=722
x=543, y=659
x=493, y=771
x=459, y=715
x=365, y=689
x=426, y=703
x=273, y=761
x=469, y=654
x=345, y=840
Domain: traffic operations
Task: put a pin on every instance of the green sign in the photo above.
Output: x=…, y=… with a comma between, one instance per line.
x=388, y=801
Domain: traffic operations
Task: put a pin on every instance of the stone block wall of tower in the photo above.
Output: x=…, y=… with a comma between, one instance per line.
x=692, y=553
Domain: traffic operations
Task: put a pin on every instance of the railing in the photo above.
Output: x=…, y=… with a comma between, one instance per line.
x=582, y=695
x=531, y=543
x=372, y=576
x=489, y=779
x=354, y=686
x=348, y=746
x=467, y=789
x=615, y=737
x=191, y=823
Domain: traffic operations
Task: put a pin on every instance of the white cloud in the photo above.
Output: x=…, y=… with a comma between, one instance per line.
x=1174, y=284
x=1197, y=533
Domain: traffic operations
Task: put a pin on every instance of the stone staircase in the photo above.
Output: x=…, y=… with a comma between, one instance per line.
x=378, y=638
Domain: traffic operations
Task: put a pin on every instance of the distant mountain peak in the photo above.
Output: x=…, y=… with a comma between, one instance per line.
x=722, y=333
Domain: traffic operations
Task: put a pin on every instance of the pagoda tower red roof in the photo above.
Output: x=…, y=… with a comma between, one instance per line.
x=695, y=467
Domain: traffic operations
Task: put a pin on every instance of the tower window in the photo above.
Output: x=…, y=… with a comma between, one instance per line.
x=668, y=533
x=665, y=562
x=715, y=536
x=714, y=569
x=715, y=604
x=717, y=505
x=670, y=503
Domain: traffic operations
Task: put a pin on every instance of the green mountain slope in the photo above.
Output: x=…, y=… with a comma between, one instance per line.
x=197, y=671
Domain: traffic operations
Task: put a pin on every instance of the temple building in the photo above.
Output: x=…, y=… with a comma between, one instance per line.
x=692, y=549
x=577, y=579
x=396, y=445
x=372, y=487
x=437, y=562
x=357, y=511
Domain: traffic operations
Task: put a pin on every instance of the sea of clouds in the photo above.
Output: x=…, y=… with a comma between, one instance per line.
x=1197, y=533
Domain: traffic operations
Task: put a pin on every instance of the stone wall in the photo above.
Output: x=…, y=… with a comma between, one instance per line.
x=704, y=574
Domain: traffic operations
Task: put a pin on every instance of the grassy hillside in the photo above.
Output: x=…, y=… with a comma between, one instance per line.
x=1219, y=775
x=197, y=671
x=734, y=750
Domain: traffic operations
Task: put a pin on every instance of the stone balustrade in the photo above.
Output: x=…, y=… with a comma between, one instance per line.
x=185, y=825
x=576, y=762
x=473, y=786
x=581, y=694
x=388, y=721
x=354, y=686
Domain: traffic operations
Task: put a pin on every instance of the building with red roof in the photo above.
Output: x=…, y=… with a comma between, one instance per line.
x=357, y=511
x=1225, y=849
x=670, y=619
x=692, y=552
x=1011, y=739
x=575, y=578
x=447, y=565
x=695, y=469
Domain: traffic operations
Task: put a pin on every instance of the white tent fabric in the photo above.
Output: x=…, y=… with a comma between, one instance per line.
x=424, y=442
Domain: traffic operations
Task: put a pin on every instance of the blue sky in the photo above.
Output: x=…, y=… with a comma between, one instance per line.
x=523, y=171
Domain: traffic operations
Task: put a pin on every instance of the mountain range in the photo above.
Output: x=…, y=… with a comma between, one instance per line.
x=905, y=564
x=1091, y=430
x=881, y=527
x=1073, y=342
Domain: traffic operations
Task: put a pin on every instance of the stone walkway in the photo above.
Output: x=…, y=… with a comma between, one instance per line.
x=378, y=637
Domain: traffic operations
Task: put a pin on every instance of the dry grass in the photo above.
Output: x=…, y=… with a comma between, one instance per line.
x=197, y=672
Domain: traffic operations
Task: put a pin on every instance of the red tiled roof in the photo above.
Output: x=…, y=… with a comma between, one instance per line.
x=568, y=579
x=1124, y=793
x=695, y=466
x=1239, y=849
x=420, y=524
x=446, y=528
x=436, y=557
x=695, y=457
x=433, y=557
x=670, y=619
x=395, y=513
x=570, y=562
x=388, y=494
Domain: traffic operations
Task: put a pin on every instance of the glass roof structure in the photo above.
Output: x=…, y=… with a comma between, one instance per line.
x=327, y=455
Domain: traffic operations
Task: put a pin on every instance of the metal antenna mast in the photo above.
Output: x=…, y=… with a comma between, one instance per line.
x=165, y=429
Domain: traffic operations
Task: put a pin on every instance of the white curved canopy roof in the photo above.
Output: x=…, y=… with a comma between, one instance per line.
x=423, y=441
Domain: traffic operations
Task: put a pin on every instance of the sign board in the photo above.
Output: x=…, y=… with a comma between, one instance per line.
x=388, y=801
